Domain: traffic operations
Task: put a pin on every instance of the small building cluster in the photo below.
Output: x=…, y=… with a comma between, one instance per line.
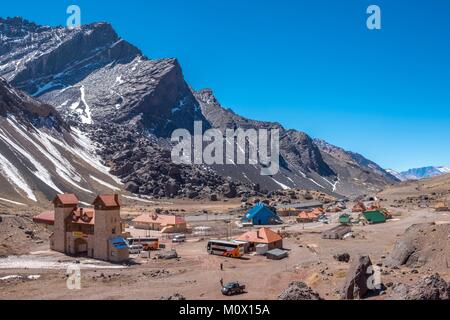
x=370, y=214
x=311, y=216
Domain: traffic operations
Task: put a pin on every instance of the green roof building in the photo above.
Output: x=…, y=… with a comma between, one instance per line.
x=374, y=217
x=345, y=219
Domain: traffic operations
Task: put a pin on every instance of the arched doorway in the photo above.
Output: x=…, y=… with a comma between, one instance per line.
x=81, y=247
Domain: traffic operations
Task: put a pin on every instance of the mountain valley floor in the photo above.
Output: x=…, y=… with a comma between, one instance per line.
x=41, y=274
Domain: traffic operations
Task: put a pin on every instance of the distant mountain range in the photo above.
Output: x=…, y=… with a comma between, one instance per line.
x=419, y=173
x=92, y=85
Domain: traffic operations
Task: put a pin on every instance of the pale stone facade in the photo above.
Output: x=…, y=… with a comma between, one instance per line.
x=92, y=233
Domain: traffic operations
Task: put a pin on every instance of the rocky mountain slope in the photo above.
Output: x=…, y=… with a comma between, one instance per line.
x=99, y=82
x=305, y=163
x=418, y=193
x=354, y=170
x=40, y=155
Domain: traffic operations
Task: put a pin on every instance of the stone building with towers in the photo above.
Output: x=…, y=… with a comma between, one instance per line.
x=91, y=232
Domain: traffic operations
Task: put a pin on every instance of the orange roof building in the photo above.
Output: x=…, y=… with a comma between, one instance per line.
x=318, y=211
x=160, y=222
x=262, y=236
x=359, y=207
x=307, y=217
x=47, y=217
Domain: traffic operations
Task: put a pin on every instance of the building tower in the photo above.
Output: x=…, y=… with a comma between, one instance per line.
x=107, y=225
x=64, y=204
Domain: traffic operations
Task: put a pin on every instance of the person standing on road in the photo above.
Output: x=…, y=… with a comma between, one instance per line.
x=221, y=267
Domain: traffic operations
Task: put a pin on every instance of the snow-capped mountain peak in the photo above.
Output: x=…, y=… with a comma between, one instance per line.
x=420, y=173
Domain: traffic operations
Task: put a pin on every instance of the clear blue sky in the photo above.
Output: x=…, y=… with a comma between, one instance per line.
x=310, y=65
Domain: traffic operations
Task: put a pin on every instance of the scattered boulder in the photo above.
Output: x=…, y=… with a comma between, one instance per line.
x=123, y=170
x=132, y=187
x=356, y=282
x=174, y=173
x=167, y=255
x=213, y=197
x=429, y=288
x=342, y=257
x=171, y=189
x=175, y=297
x=299, y=291
x=403, y=250
x=192, y=194
x=230, y=190
x=121, y=156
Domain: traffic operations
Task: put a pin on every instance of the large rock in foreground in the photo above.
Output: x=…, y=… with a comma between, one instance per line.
x=356, y=284
x=422, y=245
x=299, y=291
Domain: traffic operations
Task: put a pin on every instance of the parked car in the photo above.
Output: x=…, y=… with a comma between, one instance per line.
x=135, y=248
x=233, y=288
x=179, y=238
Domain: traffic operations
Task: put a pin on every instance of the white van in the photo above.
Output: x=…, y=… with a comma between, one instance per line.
x=135, y=248
x=178, y=238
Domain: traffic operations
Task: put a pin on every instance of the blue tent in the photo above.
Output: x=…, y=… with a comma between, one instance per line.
x=260, y=214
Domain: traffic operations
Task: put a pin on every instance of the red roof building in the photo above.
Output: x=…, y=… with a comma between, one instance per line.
x=47, y=217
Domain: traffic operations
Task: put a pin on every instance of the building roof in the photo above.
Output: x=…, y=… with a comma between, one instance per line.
x=345, y=219
x=374, y=216
x=78, y=216
x=277, y=252
x=47, y=217
x=258, y=209
x=263, y=235
x=163, y=220
x=83, y=216
x=308, y=215
x=119, y=243
x=66, y=199
x=107, y=200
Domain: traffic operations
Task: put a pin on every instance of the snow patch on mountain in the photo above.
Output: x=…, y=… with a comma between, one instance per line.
x=285, y=187
x=12, y=174
x=41, y=173
x=86, y=116
x=103, y=183
x=12, y=202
